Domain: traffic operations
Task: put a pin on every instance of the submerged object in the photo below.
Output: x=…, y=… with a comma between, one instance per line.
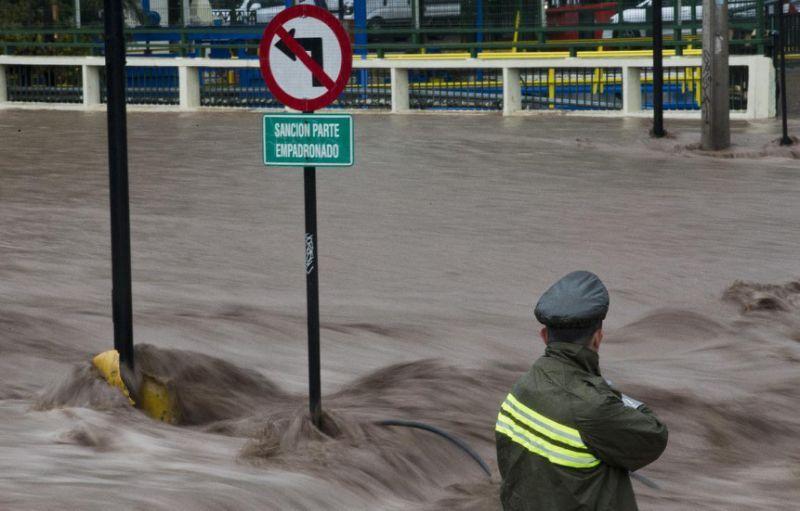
x=145, y=392
x=108, y=365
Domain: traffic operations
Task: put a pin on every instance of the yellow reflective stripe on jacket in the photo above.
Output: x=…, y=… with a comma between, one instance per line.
x=543, y=444
x=543, y=441
x=542, y=424
x=539, y=446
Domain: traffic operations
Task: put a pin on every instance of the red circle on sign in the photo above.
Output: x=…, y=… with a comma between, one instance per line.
x=276, y=26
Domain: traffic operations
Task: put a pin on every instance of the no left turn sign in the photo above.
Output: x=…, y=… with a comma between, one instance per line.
x=305, y=57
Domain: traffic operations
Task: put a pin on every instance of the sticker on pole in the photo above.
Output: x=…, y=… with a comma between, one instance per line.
x=305, y=57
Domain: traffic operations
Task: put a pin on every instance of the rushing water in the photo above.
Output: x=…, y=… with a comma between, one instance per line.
x=433, y=250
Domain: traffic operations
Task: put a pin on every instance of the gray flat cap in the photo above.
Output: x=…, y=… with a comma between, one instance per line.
x=578, y=300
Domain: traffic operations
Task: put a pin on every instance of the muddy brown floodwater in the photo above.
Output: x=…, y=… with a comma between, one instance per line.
x=433, y=249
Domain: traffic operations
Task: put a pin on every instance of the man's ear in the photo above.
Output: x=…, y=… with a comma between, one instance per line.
x=543, y=334
x=597, y=338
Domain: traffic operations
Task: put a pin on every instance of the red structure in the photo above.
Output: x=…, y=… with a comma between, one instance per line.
x=579, y=13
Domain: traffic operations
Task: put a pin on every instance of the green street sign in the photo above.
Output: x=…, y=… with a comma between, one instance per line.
x=304, y=140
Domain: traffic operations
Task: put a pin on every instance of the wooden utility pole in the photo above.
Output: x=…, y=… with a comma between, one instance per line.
x=716, y=101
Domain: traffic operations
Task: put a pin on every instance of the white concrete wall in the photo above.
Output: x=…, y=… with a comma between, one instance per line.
x=189, y=87
x=760, y=99
x=631, y=90
x=512, y=91
x=91, y=86
x=399, y=79
x=3, y=85
x=761, y=89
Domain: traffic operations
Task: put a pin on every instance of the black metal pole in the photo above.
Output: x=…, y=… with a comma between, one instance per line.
x=785, y=140
x=122, y=308
x=658, y=71
x=312, y=293
x=47, y=20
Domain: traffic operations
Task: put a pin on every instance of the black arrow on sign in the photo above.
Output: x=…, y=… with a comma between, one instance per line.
x=312, y=44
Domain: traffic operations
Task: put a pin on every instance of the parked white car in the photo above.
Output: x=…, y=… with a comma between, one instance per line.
x=262, y=11
x=382, y=13
x=639, y=14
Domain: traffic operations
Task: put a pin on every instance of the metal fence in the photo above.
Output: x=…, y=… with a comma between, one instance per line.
x=572, y=89
x=44, y=84
x=792, y=32
x=367, y=88
x=234, y=87
x=244, y=87
x=582, y=88
x=147, y=85
x=460, y=89
x=683, y=89
x=392, y=26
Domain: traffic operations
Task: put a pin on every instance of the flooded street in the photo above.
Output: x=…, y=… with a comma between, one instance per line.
x=433, y=250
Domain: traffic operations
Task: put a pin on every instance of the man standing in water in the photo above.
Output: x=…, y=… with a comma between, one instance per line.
x=566, y=439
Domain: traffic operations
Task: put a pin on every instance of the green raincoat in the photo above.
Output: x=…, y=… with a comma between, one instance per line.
x=566, y=441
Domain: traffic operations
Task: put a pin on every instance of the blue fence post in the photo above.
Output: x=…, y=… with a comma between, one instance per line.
x=360, y=27
x=360, y=21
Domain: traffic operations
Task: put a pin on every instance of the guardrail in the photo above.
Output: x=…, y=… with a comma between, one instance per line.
x=243, y=40
x=383, y=27
x=510, y=83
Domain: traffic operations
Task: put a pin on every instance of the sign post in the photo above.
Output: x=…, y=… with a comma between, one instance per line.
x=312, y=294
x=782, y=8
x=306, y=61
x=658, y=70
x=121, y=302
